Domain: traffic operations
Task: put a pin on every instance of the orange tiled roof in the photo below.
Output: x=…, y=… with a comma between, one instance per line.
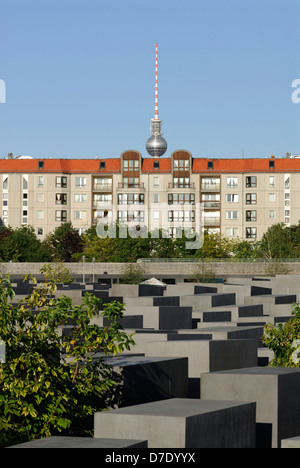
x=60, y=165
x=113, y=165
x=148, y=165
x=246, y=165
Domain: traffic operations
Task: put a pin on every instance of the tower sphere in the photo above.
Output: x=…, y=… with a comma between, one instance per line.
x=156, y=145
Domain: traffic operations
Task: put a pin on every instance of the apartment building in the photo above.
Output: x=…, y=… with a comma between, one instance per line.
x=240, y=198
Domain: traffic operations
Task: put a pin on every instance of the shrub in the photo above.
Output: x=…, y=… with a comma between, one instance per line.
x=283, y=340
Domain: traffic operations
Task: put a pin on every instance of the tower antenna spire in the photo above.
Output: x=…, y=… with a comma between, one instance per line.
x=156, y=87
x=156, y=145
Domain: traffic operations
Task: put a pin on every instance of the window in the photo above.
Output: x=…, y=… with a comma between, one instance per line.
x=286, y=199
x=156, y=198
x=272, y=197
x=77, y=214
x=250, y=215
x=41, y=164
x=129, y=182
x=181, y=182
x=181, y=198
x=40, y=231
x=181, y=215
x=61, y=215
x=156, y=216
x=131, y=215
x=80, y=182
x=130, y=198
x=40, y=181
x=271, y=164
x=250, y=233
x=61, y=199
x=155, y=181
x=102, y=164
x=25, y=199
x=287, y=183
x=40, y=214
x=131, y=165
x=231, y=232
x=232, y=214
x=232, y=198
x=25, y=182
x=40, y=198
x=155, y=164
x=232, y=182
x=102, y=183
x=80, y=197
x=210, y=165
x=272, y=214
x=5, y=183
x=250, y=198
x=181, y=164
x=271, y=181
x=5, y=199
x=61, y=182
x=251, y=181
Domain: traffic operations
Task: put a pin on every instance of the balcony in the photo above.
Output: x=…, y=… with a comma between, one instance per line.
x=212, y=221
x=102, y=204
x=190, y=185
x=211, y=204
x=210, y=187
x=131, y=186
x=102, y=187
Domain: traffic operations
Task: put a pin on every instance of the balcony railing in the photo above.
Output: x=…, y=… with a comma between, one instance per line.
x=188, y=185
x=210, y=187
x=211, y=204
x=124, y=185
x=102, y=187
x=102, y=204
x=211, y=221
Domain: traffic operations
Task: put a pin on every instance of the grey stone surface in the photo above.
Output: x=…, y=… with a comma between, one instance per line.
x=275, y=391
x=182, y=423
x=82, y=442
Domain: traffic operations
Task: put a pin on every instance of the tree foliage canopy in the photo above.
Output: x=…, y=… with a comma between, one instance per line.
x=51, y=382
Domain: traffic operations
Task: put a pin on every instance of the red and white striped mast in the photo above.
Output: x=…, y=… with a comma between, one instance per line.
x=156, y=145
x=156, y=87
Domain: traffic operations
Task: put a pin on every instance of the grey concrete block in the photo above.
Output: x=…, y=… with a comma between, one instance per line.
x=294, y=442
x=182, y=423
x=145, y=379
x=275, y=391
x=82, y=442
x=207, y=355
x=233, y=332
x=202, y=302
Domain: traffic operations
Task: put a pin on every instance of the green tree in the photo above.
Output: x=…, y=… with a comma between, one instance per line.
x=244, y=249
x=132, y=274
x=215, y=246
x=22, y=245
x=276, y=243
x=64, y=243
x=284, y=341
x=53, y=383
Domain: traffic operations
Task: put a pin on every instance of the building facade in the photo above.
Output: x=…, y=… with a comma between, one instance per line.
x=240, y=198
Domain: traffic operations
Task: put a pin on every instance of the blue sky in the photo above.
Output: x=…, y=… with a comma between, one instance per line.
x=80, y=76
